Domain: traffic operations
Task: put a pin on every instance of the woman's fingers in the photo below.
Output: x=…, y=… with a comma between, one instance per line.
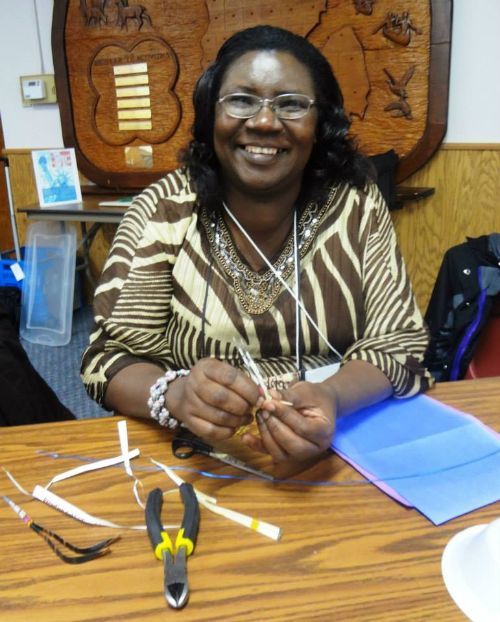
x=233, y=380
x=297, y=424
x=214, y=400
x=221, y=398
x=307, y=423
x=208, y=430
x=213, y=405
x=269, y=441
x=282, y=442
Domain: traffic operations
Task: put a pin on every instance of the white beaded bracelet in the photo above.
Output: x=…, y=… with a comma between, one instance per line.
x=156, y=401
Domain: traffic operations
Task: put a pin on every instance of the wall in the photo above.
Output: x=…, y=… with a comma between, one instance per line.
x=465, y=172
x=474, y=86
x=474, y=100
x=35, y=126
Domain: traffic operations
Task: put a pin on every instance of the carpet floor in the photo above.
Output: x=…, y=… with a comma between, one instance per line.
x=60, y=367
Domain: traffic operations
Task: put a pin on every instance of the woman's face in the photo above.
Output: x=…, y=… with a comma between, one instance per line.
x=263, y=154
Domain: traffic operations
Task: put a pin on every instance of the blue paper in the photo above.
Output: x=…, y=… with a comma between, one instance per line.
x=443, y=462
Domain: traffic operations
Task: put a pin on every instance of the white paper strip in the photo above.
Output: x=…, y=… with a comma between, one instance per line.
x=266, y=529
x=93, y=466
x=48, y=497
x=16, y=483
x=123, y=436
x=201, y=496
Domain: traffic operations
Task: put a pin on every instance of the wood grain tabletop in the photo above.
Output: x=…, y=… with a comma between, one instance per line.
x=348, y=552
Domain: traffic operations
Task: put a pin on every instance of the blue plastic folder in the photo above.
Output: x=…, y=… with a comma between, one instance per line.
x=426, y=454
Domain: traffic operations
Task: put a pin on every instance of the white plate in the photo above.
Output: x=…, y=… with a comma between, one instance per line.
x=471, y=573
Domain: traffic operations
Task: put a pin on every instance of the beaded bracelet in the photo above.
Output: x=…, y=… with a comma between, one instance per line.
x=156, y=401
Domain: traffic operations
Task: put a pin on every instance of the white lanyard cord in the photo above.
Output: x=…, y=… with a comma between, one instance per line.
x=296, y=268
x=298, y=303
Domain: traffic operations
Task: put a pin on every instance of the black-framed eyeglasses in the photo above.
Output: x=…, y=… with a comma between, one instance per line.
x=286, y=106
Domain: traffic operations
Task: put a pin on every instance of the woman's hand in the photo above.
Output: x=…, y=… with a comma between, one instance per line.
x=214, y=400
x=300, y=431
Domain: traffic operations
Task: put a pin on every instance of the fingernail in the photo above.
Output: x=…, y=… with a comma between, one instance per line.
x=263, y=416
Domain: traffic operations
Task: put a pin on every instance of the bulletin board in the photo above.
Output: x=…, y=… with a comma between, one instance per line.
x=125, y=74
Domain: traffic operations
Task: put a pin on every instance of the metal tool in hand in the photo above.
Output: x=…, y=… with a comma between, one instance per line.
x=186, y=444
x=256, y=376
x=174, y=554
x=254, y=372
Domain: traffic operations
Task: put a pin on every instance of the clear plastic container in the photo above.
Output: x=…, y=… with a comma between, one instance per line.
x=48, y=288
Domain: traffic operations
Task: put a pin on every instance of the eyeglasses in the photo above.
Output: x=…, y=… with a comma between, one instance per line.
x=286, y=106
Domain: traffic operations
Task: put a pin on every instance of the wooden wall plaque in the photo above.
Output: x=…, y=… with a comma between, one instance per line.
x=125, y=73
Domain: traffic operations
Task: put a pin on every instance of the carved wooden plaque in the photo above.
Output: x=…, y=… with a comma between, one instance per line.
x=125, y=73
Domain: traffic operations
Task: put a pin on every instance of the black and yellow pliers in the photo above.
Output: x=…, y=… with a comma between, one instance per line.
x=174, y=555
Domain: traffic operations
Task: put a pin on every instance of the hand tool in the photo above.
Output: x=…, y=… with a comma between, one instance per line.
x=185, y=444
x=256, y=376
x=254, y=372
x=174, y=555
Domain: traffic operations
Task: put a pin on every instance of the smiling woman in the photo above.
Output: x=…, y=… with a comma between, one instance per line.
x=271, y=235
x=265, y=151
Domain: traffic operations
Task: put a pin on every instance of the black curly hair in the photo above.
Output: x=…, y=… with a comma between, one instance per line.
x=334, y=157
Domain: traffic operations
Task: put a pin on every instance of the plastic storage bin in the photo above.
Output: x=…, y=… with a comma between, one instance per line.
x=48, y=290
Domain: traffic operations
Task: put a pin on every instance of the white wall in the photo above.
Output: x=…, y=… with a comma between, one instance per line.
x=474, y=106
x=474, y=102
x=34, y=126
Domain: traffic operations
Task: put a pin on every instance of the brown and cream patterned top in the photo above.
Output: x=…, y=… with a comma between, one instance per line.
x=174, y=288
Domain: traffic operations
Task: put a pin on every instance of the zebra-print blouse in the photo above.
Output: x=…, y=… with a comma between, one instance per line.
x=174, y=289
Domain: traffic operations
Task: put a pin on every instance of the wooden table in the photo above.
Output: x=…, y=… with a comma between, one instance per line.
x=348, y=553
x=88, y=210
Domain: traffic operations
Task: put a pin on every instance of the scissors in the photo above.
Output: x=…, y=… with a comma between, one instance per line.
x=186, y=444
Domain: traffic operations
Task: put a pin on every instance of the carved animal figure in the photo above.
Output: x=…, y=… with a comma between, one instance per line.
x=400, y=108
x=364, y=6
x=94, y=14
x=398, y=28
x=134, y=11
x=398, y=87
x=406, y=23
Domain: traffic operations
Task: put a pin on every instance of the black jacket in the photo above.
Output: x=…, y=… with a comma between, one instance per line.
x=460, y=304
x=25, y=397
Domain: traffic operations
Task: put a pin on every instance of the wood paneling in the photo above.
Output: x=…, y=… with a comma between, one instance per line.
x=6, y=241
x=466, y=203
x=22, y=184
x=348, y=553
x=391, y=61
x=100, y=248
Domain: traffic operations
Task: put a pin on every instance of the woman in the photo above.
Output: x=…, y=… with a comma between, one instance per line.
x=271, y=236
